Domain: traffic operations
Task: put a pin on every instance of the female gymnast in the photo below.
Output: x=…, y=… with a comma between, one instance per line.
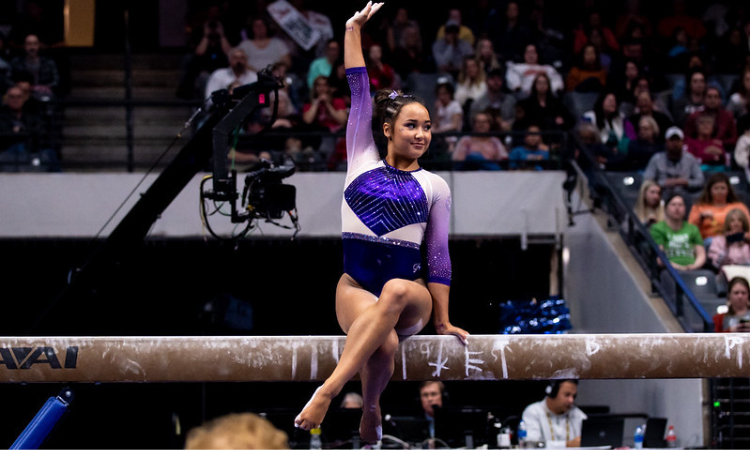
x=391, y=208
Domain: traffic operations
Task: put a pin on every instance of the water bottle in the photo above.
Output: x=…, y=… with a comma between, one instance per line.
x=671, y=437
x=638, y=439
x=521, y=434
x=315, y=442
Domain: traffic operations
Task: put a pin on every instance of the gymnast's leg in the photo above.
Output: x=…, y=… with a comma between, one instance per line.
x=370, y=324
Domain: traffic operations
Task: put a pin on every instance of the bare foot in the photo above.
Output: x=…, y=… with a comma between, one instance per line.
x=370, y=427
x=314, y=411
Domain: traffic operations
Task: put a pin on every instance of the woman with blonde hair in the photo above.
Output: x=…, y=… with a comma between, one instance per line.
x=649, y=208
x=732, y=246
x=472, y=81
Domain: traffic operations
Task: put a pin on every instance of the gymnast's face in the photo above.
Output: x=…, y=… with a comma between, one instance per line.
x=410, y=133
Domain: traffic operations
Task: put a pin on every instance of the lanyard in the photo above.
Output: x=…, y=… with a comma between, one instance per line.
x=552, y=430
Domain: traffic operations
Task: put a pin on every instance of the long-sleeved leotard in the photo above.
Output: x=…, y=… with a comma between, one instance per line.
x=387, y=213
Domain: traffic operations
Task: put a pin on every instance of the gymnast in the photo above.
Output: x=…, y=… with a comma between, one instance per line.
x=391, y=209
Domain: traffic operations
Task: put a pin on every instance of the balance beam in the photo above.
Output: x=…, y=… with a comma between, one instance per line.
x=421, y=357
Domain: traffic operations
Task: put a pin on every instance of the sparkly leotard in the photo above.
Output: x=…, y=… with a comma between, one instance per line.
x=387, y=213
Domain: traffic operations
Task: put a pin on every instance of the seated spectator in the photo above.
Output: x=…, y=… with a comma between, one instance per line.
x=339, y=84
x=731, y=53
x=479, y=151
x=237, y=431
x=645, y=146
x=737, y=104
x=21, y=134
x=644, y=107
x=471, y=82
x=543, y=107
x=400, y=23
x=42, y=69
x=649, y=207
x=237, y=74
x=382, y=75
x=464, y=32
x=324, y=111
x=632, y=15
x=210, y=49
x=450, y=51
x=546, y=27
x=615, y=130
x=512, y=34
x=294, y=85
x=605, y=55
x=710, y=210
x=519, y=77
x=448, y=112
x=263, y=49
x=693, y=98
x=742, y=153
x=693, y=26
x=486, y=55
x=324, y=64
x=533, y=149
x=708, y=150
x=679, y=240
x=409, y=57
x=593, y=21
x=731, y=247
x=625, y=82
x=501, y=104
x=674, y=169
x=737, y=318
x=587, y=75
x=678, y=51
x=724, y=126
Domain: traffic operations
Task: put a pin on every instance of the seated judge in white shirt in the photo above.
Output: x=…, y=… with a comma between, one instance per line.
x=555, y=420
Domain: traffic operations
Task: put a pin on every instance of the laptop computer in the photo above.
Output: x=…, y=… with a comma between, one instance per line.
x=602, y=431
x=655, y=428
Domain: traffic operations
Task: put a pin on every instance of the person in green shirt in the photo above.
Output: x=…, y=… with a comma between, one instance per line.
x=680, y=240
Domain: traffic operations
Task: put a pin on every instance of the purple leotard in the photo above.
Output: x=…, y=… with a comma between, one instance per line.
x=389, y=214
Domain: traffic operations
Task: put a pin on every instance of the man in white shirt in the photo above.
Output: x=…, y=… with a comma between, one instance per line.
x=555, y=420
x=237, y=74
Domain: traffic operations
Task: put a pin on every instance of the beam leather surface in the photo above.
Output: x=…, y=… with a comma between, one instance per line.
x=421, y=357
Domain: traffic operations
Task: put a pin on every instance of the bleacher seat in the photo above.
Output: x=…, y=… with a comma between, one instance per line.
x=702, y=283
x=627, y=184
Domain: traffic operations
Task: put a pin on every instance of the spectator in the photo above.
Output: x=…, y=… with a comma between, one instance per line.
x=431, y=396
x=324, y=64
x=645, y=108
x=615, y=130
x=645, y=146
x=485, y=53
x=263, y=49
x=520, y=77
x=450, y=51
x=737, y=104
x=605, y=55
x=294, y=85
x=320, y=23
x=679, y=240
x=737, y=318
x=483, y=17
x=632, y=15
x=724, y=127
x=710, y=210
x=649, y=207
x=21, y=134
x=674, y=169
x=401, y=22
x=464, y=32
x=472, y=82
x=543, y=107
x=511, y=35
x=742, y=153
x=731, y=247
x=696, y=62
x=448, y=112
x=555, y=421
x=479, y=151
x=352, y=400
x=382, y=75
x=237, y=431
x=544, y=25
x=707, y=149
x=587, y=75
x=594, y=22
x=323, y=111
x=625, y=83
x=693, y=98
x=679, y=18
x=210, y=52
x=501, y=104
x=678, y=51
x=533, y=149
x=237, y=74
x=42, y=69
x=339, y=84
x=731, y=53
x=409, y=56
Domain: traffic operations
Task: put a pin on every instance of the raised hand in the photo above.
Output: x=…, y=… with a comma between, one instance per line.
x=361, y=17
